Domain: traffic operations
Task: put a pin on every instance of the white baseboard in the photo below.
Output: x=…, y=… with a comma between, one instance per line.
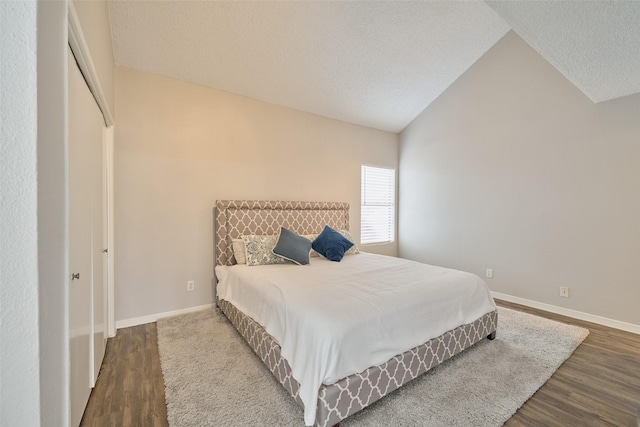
x=612, y=323
x=605, y=321
x=126, y=323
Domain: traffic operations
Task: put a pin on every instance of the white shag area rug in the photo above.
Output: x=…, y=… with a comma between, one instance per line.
x=213, y=378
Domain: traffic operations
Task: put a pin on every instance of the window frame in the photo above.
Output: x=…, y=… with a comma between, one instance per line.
x=391, y=204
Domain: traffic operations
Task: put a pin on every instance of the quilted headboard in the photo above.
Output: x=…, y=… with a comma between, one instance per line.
x=235, y=218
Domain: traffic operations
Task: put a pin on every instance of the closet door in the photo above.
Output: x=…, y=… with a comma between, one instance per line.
x=98, y=245
x=85, y=139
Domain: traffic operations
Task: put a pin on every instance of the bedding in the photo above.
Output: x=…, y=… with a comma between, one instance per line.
x=336, y=401
x=311, y=238
x=259, y=250
x=292, y=247
x=353, y=249
x=331, y=244
x=333, y=320
x=239, y=252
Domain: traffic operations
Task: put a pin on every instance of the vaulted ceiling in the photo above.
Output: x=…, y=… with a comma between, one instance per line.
x=377, y=64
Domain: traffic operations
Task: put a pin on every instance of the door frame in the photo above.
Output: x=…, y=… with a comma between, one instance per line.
x=80, y=49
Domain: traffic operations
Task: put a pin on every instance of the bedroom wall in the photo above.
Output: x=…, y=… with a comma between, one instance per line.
x=180, y=147
x=53, y=280
x=19, y=329
x=33, y=329
x=514, y=169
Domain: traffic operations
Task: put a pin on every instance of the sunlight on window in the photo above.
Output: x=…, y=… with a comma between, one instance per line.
x=378, y=205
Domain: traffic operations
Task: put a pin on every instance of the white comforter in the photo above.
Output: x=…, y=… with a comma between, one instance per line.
x=336, y=319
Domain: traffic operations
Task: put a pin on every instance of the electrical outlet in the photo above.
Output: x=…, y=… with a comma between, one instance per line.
x=564, y=291
x=191, y=285
x=489, y=273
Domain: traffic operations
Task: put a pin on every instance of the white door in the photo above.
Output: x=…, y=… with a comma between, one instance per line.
x=85, y=137
x=98, y=256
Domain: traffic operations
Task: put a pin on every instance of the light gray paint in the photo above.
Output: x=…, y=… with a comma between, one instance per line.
x=33, y=352
x=52, y=202
x=19, y=351
x=180, y=147
x=514, y=169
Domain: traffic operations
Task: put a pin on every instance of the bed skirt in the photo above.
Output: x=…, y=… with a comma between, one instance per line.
x=351, y=394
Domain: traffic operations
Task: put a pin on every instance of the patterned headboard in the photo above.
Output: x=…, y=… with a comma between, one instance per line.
x=235, y=218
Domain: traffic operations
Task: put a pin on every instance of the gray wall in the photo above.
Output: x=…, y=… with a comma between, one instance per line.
x=52, y=203
x=180, y=147
x=34, y=366
x=19, y=351
x=33, y=352
x=514, y=169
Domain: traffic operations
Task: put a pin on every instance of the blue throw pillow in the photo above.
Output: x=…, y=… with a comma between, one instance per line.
x=292, y=247
x=331, y=244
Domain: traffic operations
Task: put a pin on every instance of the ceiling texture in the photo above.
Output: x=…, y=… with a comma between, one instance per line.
x=376, y=64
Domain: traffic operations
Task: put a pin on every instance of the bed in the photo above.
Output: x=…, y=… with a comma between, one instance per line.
x=341, y=397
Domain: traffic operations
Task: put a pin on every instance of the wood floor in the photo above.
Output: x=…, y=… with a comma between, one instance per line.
x=130, y=388
x=599, y=385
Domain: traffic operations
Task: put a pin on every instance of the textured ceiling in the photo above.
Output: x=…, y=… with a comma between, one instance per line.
x=595, y=44
x=377, y=64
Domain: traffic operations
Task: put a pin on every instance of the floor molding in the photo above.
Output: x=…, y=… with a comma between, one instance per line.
x=612, y=323
x=605, y=321
x=135, y=321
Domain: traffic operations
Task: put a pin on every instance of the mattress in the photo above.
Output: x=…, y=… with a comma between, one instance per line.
x=333, y=320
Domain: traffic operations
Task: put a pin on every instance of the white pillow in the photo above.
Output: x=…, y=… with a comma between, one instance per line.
x=353, y=249
x=311, y=238
x=239, y=251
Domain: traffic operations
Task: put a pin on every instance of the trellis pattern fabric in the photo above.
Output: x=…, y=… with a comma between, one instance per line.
x=236, y=218
x=355, y=392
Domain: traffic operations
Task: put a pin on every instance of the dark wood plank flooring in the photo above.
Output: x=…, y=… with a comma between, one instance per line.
x=130, y=387
x=599, y=385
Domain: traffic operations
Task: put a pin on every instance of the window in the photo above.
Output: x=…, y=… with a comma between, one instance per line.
x=377, y=222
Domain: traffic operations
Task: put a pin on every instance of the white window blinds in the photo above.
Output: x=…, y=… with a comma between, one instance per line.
x=377, y=222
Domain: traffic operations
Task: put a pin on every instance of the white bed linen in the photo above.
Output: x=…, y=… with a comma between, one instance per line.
x=336, y=319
